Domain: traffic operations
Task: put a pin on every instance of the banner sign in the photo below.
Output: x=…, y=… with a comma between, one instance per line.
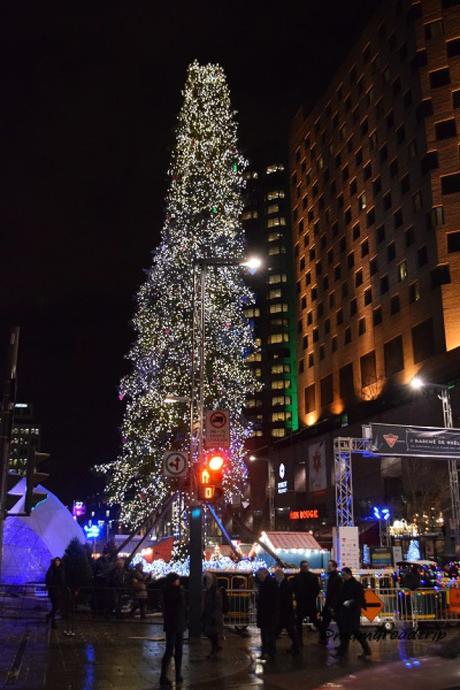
x=413, y=441
x=317, y=467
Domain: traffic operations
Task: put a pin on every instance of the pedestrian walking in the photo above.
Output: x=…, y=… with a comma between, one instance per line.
x=55, y=584
x=333, y=588
x=306, y=589
x=213, y=613
x=350, y=602
x=267, y=612
x=174, y=622
x=139, y=583
x=286, y=620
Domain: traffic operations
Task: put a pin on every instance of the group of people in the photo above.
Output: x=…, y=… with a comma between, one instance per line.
x=284, y=605
x=114, y=583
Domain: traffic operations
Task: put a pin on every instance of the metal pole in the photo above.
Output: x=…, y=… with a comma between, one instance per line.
x=9, y=396
x=453, y=470
x=198, y=396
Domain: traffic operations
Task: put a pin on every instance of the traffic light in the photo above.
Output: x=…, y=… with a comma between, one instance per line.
x=210, y=476
x=33, y=478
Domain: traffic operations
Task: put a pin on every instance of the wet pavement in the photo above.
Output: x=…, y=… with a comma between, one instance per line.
x=126, y=655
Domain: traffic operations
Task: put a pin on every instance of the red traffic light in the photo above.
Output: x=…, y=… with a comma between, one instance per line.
x=216, y=462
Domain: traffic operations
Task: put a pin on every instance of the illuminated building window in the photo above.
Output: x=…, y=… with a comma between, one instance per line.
x=257, y=342
x=251, y=313
x=275, y=222
x=277, y=278
x=276, y=167
x=402, y=271
x=249, y=215
x=279, y=384
x=273, y=236
x=273, y=208
x=254, y=357
x=278, y=338
x=280, y=416
x=278, y=433
x=276, y=194
x=275, y=293
x=278, y=307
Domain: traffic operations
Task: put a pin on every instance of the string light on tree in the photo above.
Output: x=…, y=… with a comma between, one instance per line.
x=203, y=209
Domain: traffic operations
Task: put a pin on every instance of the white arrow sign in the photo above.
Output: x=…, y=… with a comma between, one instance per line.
x=175, y=463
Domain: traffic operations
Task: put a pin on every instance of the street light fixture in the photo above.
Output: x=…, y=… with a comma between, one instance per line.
x=418, y=383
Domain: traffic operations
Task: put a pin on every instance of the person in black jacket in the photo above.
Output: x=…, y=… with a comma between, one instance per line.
x=174, y=622
x=333, y=588
x=350, y=602
x=267, y=612
x=56, y=585
x=286, y=619
x=306, y=589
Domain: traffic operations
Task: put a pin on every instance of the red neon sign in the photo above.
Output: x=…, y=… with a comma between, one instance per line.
x=309, y=514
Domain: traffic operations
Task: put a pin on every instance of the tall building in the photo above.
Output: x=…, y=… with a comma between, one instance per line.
x=274, y=409
x=24, y=437
x=375, y=189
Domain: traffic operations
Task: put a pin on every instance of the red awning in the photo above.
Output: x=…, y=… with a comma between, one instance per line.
x=293, y=540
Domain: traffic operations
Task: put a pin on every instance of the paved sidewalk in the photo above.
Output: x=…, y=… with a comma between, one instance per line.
x=126, y=655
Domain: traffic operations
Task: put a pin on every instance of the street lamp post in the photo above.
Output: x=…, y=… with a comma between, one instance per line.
x=444, y=395
x=200, y=271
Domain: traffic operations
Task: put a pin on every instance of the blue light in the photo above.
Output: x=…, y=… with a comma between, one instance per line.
x=377, y=513
x=196, y=513
x=92, y=531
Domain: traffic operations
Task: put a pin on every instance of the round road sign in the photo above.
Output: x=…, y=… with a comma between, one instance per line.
x=175, y=464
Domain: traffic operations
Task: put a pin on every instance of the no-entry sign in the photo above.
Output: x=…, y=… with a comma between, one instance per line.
x=217, y=429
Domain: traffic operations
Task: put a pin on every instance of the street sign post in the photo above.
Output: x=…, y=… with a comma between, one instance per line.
x=217, y=429
x=175, y=464
x=374, y=605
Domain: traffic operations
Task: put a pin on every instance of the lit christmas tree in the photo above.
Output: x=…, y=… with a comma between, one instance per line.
x=202, y=220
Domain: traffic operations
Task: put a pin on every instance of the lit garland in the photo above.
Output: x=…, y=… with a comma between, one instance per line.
x=160, y=568
x=203, y=212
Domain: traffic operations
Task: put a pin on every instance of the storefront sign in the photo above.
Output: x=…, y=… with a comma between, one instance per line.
x=307, y=514
x=282, y=485
x=413, y=441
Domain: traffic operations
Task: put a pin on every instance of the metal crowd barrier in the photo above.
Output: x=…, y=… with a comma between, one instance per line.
x=400, y=606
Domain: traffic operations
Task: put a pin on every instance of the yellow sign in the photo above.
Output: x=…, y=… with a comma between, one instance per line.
x=374, y=605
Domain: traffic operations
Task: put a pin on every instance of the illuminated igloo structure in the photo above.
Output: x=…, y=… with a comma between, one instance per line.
x=29, y=543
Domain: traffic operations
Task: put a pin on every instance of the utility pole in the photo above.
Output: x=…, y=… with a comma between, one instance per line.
x=8, y=400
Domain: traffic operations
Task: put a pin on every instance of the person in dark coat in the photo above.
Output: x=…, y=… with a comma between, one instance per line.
x=56, y=585
x=306, y=589
x=267, y=612
x=119, y=580
x=333, y=588
x=350, y=602
x=174, y=623
x=286, y=620
x=139, y=583
x=213, y=613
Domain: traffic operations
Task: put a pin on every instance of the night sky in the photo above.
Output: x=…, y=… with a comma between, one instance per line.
x=89, y=100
